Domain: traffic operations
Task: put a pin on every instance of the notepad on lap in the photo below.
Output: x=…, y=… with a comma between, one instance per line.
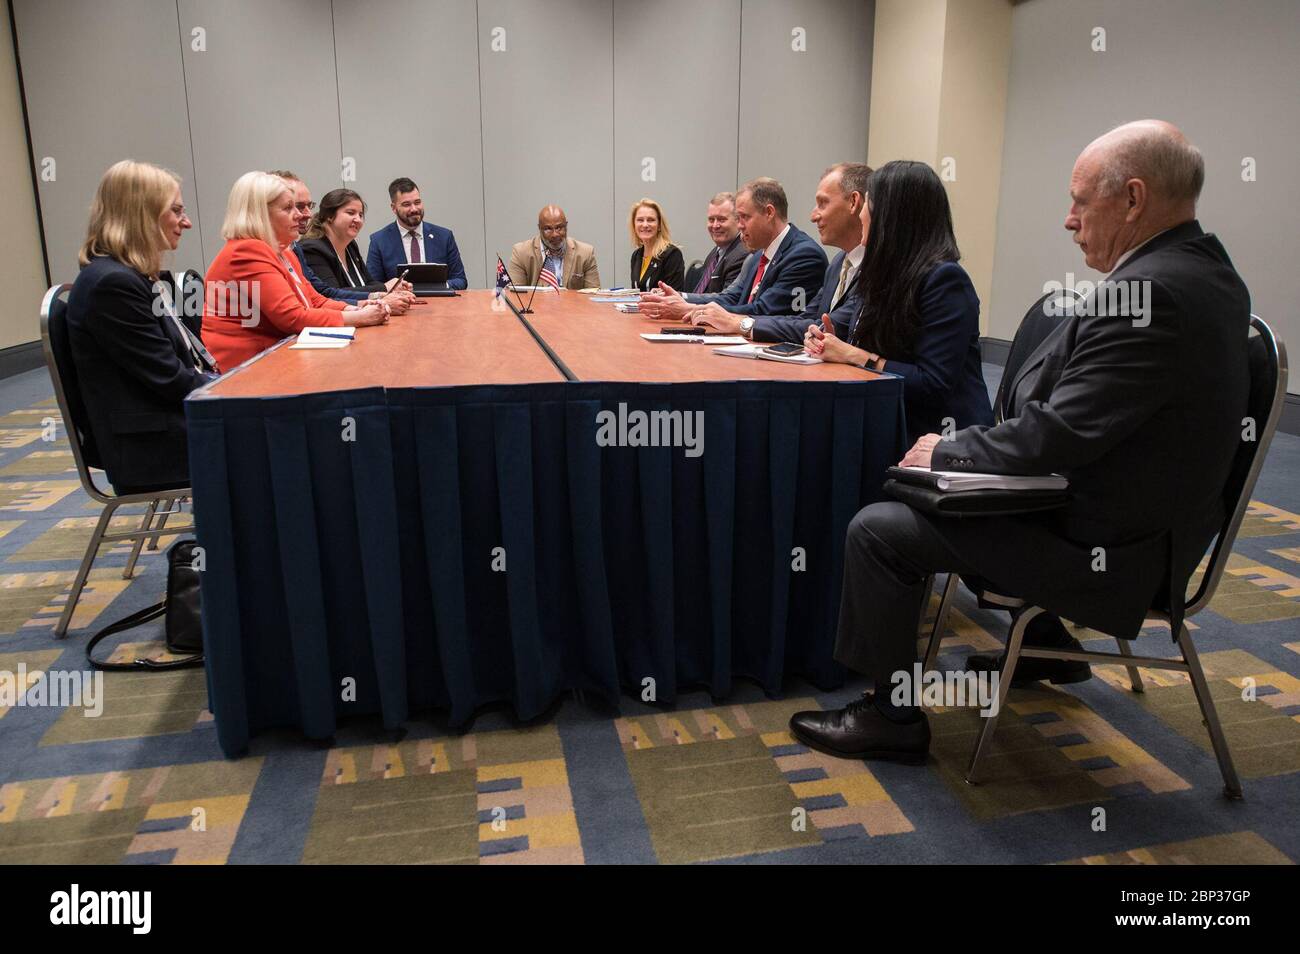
x=953, y=481
x=324, y=338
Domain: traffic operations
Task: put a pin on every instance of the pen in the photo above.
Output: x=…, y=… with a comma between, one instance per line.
x=326, y=334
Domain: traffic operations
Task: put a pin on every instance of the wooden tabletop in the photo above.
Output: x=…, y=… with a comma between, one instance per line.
x=598, y=343
x=448, y=341
x=465, y=340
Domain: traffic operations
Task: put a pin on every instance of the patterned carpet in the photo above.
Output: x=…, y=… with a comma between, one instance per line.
x=1093, y=775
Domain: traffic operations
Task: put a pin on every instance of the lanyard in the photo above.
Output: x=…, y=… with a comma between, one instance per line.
x=165, y=293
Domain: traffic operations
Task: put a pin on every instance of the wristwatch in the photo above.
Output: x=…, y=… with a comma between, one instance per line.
x=747, y=326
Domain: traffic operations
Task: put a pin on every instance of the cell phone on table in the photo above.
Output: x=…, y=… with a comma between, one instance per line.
x=785, y=348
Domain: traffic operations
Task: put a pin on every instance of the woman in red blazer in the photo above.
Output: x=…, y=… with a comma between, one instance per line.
x=255, y=294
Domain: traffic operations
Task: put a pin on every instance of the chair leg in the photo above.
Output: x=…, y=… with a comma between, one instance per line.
x=1134, y=674
x=139, y=544
x=1004, y=687
x=927, y=585
x=167, y=504
x=79, y=581
x=1231, y=784
x=940, y=622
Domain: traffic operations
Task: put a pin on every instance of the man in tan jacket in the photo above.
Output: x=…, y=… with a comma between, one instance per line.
x=570, y=262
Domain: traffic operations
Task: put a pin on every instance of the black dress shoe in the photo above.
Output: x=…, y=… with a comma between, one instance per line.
x=1043, y=632
x=859, y=731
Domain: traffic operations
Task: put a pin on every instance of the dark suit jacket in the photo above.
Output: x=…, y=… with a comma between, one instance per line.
x=669, y=267
x=728, y=268
x=134, y=370
x=386, y=256
x=942, y=374
x=351, y=295
x=318, y=255
x=842, y=312
x=800, y=264
x=1144, y=416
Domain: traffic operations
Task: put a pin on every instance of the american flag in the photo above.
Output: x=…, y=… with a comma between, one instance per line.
x=503, y=277
x=548, y=276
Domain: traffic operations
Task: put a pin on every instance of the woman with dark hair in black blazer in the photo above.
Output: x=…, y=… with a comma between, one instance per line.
x=656, y=258
x=920, y=317
x=135, y=360
x=330, y=246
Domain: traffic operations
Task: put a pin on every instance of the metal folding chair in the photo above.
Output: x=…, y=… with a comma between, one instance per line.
x=159, y=505
x=1268, y=369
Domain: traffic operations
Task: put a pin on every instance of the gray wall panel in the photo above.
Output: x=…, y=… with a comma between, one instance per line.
x=548, y=122
x=262, y=96
x=490, y=136
x=801, y=112
x=684, y=117
x=101, y=86
x=431, y=134
x=1225, y=73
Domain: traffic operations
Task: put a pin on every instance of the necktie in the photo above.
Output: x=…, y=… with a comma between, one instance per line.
x=709, y=265
x=844, y=275
x=415, y=247
x=758, y=276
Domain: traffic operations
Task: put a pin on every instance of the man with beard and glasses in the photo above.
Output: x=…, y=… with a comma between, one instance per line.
x=571, y=263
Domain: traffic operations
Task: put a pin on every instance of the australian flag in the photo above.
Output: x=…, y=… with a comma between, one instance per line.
x=503, y=277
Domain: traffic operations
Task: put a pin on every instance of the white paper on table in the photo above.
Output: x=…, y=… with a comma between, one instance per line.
x=315, y=338
x=760, y=351
x=697, y=339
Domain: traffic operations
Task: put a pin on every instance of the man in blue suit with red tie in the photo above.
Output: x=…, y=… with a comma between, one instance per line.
x=411, y=239
x=784, y=275
x=841, y=194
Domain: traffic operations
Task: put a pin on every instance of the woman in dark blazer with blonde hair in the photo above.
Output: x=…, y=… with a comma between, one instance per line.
x=656, y=258
x=135, y=360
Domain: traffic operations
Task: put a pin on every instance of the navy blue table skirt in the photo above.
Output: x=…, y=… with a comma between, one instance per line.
x=366, y=575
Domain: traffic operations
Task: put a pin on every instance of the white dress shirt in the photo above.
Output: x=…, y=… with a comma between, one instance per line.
x=418, y=232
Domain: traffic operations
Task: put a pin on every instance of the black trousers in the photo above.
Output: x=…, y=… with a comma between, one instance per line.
x=889, y=552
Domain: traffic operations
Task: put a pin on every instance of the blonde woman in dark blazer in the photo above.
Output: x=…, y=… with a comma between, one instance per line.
x=656, y=258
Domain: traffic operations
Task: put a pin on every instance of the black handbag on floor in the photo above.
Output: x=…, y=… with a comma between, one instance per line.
x=180, y=608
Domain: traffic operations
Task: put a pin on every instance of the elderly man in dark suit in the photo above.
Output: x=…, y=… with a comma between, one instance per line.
x=1138, y=404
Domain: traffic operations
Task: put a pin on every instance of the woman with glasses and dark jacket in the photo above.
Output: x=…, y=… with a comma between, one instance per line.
x=134, y=359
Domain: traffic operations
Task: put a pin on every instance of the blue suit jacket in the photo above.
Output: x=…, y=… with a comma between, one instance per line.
x=942, y=376
x=326, y=289
x=792, y=327
x=386, y=255
x=800, y=263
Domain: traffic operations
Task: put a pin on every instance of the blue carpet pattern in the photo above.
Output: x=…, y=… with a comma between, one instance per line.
x=1092, y=773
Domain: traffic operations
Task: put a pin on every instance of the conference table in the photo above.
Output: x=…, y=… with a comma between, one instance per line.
x=457, y=509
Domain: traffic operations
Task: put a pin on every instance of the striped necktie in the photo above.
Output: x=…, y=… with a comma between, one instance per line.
x=844, y=276
x=710, y=264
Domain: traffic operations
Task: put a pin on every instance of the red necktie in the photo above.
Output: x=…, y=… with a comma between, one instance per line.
x=415, y=248
x=758, y=276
